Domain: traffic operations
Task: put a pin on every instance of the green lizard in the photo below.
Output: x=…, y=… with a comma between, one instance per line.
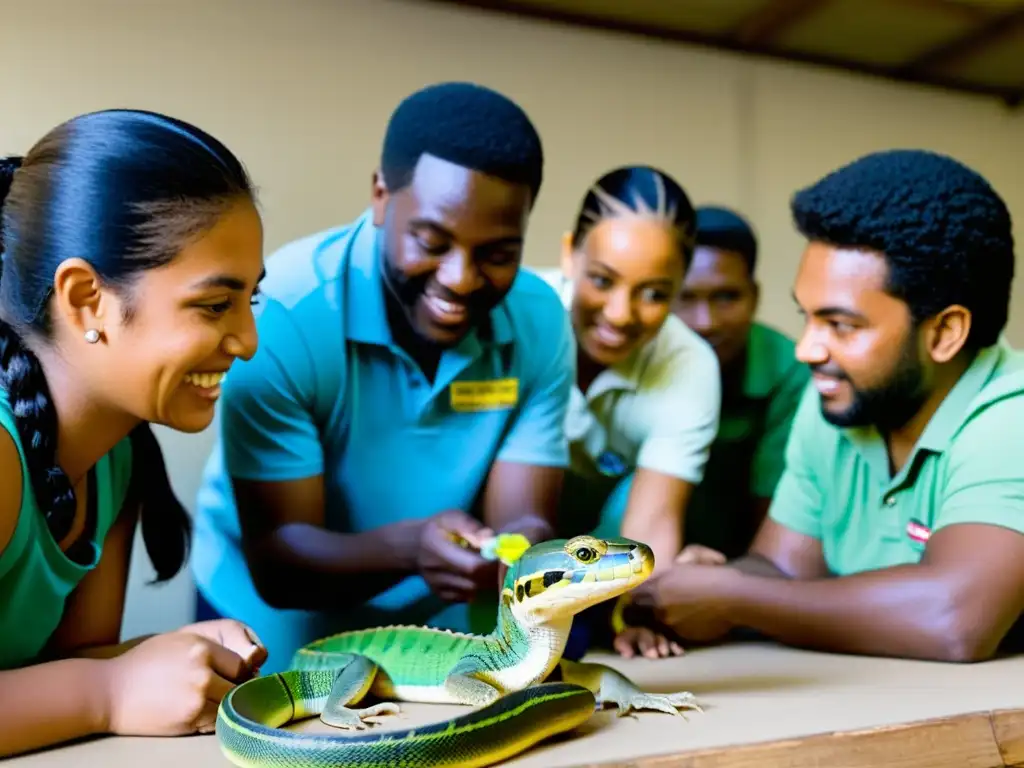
x=522, y=689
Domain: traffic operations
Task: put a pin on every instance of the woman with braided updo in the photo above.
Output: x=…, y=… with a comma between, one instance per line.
x=646, y=403
x=130, y=250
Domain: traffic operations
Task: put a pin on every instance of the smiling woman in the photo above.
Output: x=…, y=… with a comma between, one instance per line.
x=646, y=404
x=130, y=250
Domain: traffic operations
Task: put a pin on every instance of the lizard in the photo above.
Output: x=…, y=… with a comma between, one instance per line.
x=521, y=688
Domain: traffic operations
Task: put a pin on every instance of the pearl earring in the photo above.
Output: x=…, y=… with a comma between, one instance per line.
x=92, y=336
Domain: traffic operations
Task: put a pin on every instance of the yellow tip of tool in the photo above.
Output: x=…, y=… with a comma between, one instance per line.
x=507, y=547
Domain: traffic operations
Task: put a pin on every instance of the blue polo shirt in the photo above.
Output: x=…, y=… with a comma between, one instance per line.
x=329, y=393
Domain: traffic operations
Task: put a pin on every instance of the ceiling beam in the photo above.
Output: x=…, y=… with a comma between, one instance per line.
x=974, y=42
x=1010, y=96
x=968, y=12
x=772, y=19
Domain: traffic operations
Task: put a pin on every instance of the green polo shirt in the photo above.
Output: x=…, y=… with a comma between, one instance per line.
x=747, y=455
x=965, y=468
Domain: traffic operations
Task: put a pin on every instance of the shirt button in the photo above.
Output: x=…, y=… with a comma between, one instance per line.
x=890, y=501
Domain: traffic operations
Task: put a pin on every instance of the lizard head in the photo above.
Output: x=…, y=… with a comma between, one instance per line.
x=554, y=580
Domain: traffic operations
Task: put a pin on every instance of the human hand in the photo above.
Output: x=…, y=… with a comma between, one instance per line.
x=700, y=555
x=645, y=641
x=456, y=571
x=235, y=636
x=690, y=599
x=170, y=685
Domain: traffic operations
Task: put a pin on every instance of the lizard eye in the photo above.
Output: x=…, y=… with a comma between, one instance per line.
x=585, y=554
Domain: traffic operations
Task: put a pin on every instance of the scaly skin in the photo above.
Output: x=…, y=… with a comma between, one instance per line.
x=522, y=690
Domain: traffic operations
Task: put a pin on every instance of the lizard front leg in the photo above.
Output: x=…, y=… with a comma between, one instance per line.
x=610, y=686
x=465, y=684
x=352, y=683
x=466, y=689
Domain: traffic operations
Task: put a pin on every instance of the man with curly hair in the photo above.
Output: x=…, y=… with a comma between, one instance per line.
x=408, y=395
x=896, y=528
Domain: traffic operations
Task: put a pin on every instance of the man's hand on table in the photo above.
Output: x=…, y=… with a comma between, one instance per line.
x=690, y=600
x=656, y=598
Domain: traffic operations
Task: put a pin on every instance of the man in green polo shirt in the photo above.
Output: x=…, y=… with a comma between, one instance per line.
x=761, y=385
x=897, y=527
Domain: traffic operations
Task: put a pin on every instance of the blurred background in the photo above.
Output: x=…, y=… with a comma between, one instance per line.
x=743, y=101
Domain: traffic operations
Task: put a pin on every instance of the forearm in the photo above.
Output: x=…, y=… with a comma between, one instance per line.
x=905, y=611
x=46, y=704
x=754, y=564
x=308, y=567
x=533, y=526
x=661, y=531
x=757, y=513
x=522, y=498
x=108, y=651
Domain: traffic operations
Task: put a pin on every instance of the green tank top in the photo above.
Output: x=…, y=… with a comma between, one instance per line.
x=36, y=577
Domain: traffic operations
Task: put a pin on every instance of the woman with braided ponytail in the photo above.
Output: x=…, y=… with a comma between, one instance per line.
x=130, y=253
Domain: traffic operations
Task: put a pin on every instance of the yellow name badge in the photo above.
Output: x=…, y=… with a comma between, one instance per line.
x=468, y=396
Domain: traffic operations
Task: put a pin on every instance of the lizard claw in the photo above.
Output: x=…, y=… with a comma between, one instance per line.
x=357, y=719
x=668, y=703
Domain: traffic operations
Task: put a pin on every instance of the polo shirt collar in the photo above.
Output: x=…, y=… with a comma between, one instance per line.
x=621, y=376
x=953, y=411
x=366, y=319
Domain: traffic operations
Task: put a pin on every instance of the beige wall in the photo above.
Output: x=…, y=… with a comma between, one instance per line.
x=301, y=89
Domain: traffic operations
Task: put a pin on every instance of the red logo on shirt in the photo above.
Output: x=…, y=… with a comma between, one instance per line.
x=918, y=531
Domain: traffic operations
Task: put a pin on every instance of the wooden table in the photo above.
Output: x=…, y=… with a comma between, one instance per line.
x=765, y=706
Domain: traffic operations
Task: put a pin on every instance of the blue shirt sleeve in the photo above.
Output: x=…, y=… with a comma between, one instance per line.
x=267, y=424
x=537, y=436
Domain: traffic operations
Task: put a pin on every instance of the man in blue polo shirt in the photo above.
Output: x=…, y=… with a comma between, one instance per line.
x=410, y=385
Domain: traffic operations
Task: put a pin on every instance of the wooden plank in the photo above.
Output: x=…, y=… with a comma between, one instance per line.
x=993, y=30
x=1011, y=96
x=1008, y=727
x=963, y=741
x=972, y=14
x=772, y=19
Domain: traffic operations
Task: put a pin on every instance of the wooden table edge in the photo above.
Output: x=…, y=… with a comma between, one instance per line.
x=983, y=739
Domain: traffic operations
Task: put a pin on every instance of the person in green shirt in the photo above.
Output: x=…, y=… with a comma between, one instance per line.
x=761, y=384
x=896, y=529
x=130, y=252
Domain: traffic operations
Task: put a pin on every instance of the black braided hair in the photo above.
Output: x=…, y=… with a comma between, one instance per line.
x=21, y=375
x=122, y=189
x=638, y=190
